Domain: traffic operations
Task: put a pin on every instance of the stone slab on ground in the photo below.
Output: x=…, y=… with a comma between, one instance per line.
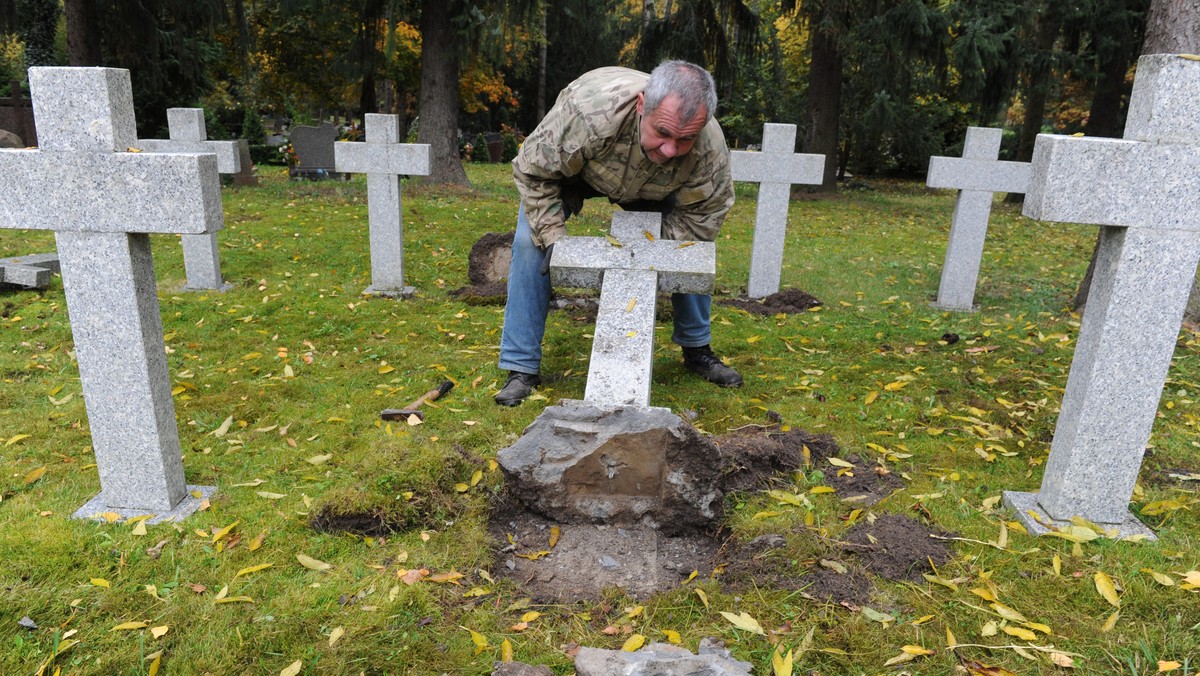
x=616, y=465
x=28, y=272
x=659, y=659
x=95, y=508
x=1025, y=505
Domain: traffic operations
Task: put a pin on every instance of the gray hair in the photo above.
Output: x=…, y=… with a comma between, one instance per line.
x=692, y=84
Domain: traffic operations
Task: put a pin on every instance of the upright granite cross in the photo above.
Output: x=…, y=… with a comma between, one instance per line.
x=201, y=259
x=775, y=169
x=1143, y=191
x=630, y=266
x=102, y=202
x=976, y=175
x=384, y=159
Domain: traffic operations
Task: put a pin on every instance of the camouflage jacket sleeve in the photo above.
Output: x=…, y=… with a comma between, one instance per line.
x=555, y=151
x=702, y=203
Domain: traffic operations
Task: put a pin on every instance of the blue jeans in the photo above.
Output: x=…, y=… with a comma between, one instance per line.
x=529, y=303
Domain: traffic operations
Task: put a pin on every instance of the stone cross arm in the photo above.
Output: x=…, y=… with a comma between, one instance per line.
x=1127, y=183
x=382, y=158
x=110, y=192
x=962, y=173
x=682, y=266
x=229, y=159
x=763, y=167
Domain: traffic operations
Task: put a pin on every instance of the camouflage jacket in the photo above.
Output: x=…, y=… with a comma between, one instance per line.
x=589, y=145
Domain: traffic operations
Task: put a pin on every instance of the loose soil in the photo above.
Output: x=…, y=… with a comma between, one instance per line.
x=757, y=455
x=787, y=301
x=897, y=547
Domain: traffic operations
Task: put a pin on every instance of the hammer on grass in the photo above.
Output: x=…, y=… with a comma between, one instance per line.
x=415, y=407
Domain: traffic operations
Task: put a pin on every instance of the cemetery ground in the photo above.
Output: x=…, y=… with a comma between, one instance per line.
x=339, y=543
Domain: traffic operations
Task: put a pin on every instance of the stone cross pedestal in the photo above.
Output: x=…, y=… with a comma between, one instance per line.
x=102, y=202
x=201, y=259
x=976, y=175
x=384, y=159
x=775, y=169
x=630, y=267
x=1143, y=190
x=28, y=272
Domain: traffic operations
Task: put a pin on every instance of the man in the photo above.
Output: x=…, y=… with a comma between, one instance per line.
x=647, y=143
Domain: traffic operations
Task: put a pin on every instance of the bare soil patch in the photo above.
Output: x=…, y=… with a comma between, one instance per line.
x=897, y=547
x=785, y=301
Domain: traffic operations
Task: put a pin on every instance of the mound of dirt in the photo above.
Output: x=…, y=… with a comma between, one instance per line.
x=865, y=485
x=753, y=456
x=897, y=547
x=825, y=585
x=786, y=301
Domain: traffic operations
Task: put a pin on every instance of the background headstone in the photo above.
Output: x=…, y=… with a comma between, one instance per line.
x=102, y=202
x=28, y=272
x=1143, y=190
x=384, y=160
x=976, y=175
x=775, y=169
x=201, y=257
x=314, y=151
x=245, y=175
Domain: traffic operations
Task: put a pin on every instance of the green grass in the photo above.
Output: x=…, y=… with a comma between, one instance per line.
x=974, y=422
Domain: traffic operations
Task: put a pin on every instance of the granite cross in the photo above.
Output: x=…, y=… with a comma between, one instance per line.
x=775, y=169
x=201, y=260
x=383, y=159
x=630, y=267
x=1142, y=190
x=976, y=175
x=28, y=272
x=103, y=203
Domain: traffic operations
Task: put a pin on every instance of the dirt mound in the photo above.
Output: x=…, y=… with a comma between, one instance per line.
x=489, y=258
x=897, y=547
x=825, y=585
x=787, y=301
x=865, y=485
x=754, y=456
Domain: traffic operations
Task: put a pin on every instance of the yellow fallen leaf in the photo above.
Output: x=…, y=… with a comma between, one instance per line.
x=292, y=669
x=530, y=616
x=319, y=459
x=900, y=659
x=871, y=396
x=1057, y=564
x=480, y=641
x=269, y=495
x=101, y=582
x=224, y=428
x=1107, y=589
x=703, y=597
x=633, y=643
x=386, y=369
x=506, y=651
x=1038, y=626
x=984, y=593
x=1111, y=622
x=744, y=621
x=335, y=635
x=838, y=462
x=1019, y=632
x=257, y=541
x=159, y=632
x=235, y=599
x=311, y=563
x=1165, y=666
x=1061, y=659
x=916, y=650
x=452, y=576
x=1164, y=580
x=555, y=532
x=476, y=477
x=461, y=487
x=154, y=665
x=15, y=438
x=220, y=533
x=534, y=556
x=519, y=627
x=897, y=385
x=951, y=642
x=781, y=664
x=673, y=636
x=1008, y=613
x=129, y=625
x=253, y=569
x=34, y=475
x=817, y=490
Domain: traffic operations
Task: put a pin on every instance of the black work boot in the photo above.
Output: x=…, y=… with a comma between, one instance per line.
x=517, y=388
x=702, y=362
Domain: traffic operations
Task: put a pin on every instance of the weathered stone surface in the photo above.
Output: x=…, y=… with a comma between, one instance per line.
x=658, y=659
x=519, y=669
x=29, y=272
x=581, y=463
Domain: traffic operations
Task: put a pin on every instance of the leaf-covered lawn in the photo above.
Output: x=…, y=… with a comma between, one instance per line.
x=278, y=386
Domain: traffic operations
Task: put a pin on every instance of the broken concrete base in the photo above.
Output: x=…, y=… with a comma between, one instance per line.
x=579, y=463
x=660, y=659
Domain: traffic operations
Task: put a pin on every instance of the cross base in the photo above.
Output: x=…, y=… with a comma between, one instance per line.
x=1024, y=503
x=92, y=509
x=952, y=308
x=225, y=286
x=405, y=292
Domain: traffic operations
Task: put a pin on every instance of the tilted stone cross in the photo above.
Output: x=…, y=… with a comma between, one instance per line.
x=776, y=169
x=629, y=267
x=102, y=202
x=1143, y=190
x=976, y=175
x=201, y=259
x=384, y=159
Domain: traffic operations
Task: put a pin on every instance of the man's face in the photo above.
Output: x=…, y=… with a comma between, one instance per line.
x=665, y=134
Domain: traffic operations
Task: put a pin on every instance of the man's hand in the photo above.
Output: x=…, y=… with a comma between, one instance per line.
x=545, y=269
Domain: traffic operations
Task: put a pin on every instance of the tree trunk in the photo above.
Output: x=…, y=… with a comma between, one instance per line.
x=1106, y=117
x=368, y=54
x=647, y=15
x=438, y=108
x=824, y=105
x=542, y=65
x=1172, y=27
x=83, y=35
x=1037, y=89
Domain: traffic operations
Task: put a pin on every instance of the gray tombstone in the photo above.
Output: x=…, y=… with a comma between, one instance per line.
x=776, y=169
x=103, y=203
x=1142, y=190
x=245, y=176
x=629, y=276
x=314, y=151
x=28, y=272
x=201, y=258
x=976, y=175
x=384, y=159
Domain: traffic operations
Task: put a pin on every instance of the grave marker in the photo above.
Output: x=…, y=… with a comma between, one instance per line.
x=201, y=258
x=976, y=175
x=384, y=159
x=1142, y=189
x=314, y=151
x=28, y=272
x=629, y=277
x=775, y=169
x=103, y=203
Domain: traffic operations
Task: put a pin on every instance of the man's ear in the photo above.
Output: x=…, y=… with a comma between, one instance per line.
x=641, y=102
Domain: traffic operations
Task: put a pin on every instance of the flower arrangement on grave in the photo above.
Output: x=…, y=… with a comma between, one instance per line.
x=289, y=154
